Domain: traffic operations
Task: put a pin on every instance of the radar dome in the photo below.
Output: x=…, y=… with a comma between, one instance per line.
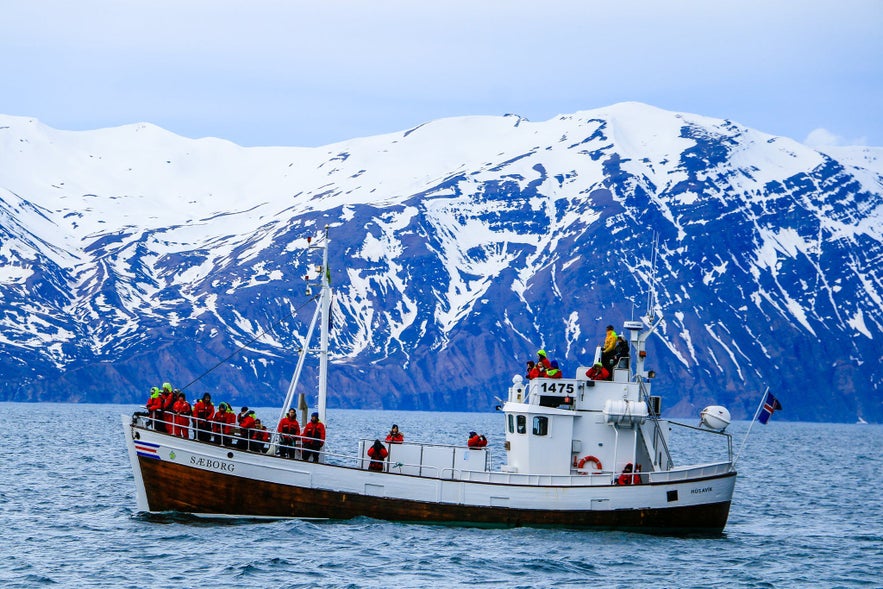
x=715, y=417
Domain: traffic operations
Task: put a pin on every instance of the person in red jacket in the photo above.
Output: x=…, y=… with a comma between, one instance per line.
x=222, y=424
x=259, y=437
x=289, y=430
x=598, y=372
x=154, y=407
x=313, y=438
x=246, y=424
x=626, y=477
x=533, y=371
x=202, y=414
x=554, y=371
x=395, y=436
x=182, y=412
x=168, y=403
x=378, y=454
x=476, y=441
x=543, y=362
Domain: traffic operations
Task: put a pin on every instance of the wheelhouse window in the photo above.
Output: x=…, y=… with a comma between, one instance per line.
x=511, y=423
x=522, y=424
x=540, y=425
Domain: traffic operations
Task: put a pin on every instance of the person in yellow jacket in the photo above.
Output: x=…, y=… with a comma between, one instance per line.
x=607, y=349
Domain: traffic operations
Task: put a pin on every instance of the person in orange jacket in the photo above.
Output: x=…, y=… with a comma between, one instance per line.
x=313, y=438
x=378, y=453
x=222, y=425
x=182, y=412
x=476, y=441
x=259, y=437
x=289, y=430
x=395, y=436
x=203, y=411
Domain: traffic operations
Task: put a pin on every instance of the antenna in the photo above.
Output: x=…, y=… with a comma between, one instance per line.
x=651, y=295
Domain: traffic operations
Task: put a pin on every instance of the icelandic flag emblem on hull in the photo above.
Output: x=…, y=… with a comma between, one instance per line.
x=146, y=449
x=770, y=405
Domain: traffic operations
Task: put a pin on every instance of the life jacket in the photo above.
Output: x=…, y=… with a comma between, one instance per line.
x=168, y=400
x=260, y=435
x=609, y=342
x=203, y=410
x=154, y=403
x=247, y=422
x=223, y=422
x=378, y=457
x=626, y=477
x=314, y=430
x=289, y=426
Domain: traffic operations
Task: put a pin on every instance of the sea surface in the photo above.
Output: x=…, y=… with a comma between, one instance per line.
x=808, y=512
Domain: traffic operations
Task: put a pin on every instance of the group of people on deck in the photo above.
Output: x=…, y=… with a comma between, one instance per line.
x=377, y=452
x=614, y=347
x=542, y=367
x=169, y=411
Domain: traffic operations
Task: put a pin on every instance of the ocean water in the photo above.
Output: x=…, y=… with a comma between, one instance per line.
x=808, y=512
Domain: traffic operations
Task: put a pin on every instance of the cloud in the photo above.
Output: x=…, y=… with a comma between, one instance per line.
x=821, y=137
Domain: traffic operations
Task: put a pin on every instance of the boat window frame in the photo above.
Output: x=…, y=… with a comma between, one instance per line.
x=511, y=421
x=521, y=424
x=537, y=419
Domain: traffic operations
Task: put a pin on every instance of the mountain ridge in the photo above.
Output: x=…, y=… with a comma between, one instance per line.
x=131, y=255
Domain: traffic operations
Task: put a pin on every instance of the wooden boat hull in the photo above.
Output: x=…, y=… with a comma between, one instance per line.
x=173, y=487
x=193, y=478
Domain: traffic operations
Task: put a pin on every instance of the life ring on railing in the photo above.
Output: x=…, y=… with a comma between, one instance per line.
x=585, y=459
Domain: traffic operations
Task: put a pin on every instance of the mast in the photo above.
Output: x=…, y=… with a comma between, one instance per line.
x=323, y=309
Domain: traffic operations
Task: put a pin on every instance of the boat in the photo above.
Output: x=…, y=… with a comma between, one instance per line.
x=578, y=453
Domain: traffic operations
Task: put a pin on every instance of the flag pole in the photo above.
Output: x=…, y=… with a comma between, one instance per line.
x=756, y=413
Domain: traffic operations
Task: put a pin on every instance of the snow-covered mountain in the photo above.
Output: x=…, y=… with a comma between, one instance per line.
x=132, y=256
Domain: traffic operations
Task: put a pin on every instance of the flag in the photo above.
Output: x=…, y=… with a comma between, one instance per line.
x=770, y=404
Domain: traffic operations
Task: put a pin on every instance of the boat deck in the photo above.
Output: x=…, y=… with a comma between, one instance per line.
x=437, y=461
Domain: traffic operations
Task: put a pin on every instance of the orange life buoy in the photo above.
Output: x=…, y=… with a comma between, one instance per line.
x=585, y=459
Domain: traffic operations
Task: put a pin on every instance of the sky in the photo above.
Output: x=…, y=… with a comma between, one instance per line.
x=295, y=73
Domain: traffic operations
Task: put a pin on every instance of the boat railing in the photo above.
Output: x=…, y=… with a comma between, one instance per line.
x=444, y=461
x=728, y=436
x=688, y=472
x=657, y=437
x=238, y=438
x=419, y=459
